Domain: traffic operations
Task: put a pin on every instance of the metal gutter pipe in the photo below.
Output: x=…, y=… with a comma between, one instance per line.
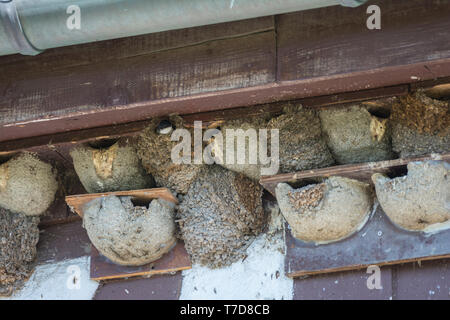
x=31, y=26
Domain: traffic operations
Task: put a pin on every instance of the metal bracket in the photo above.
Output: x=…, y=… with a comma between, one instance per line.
x=352, y=3
x=11, y=23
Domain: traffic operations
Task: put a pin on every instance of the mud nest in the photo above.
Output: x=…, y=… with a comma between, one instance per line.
x=251, y=170
x=220, y=216
x=19, y=235
x=127, y=234
x=325, y=212
x=302, y=145
x=110, y=167
x=418, y=201
x=154, y=150
x=421, y=125
x=354, y=135
x=27, y=185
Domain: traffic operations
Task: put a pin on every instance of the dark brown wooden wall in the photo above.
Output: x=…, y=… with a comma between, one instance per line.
x=316, y=53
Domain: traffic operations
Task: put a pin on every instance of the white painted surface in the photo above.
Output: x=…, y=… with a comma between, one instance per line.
x=259, y=276
x=65, y=280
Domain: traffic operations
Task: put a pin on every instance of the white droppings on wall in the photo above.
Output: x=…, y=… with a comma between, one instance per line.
x=259, y=276
x=65, y=280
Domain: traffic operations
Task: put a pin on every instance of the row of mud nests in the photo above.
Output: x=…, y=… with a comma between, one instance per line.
x=221, y=210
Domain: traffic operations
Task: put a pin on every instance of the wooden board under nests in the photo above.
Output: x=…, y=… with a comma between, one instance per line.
x=175, y=260
x=102, y=268
x=379, y=242
x=77, y=202
x=361, y=171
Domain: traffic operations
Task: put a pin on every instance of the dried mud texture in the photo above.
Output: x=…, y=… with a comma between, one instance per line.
x=155, y=149
x=419, y=201
x=220, y=216
x=421, y=125
x=355, y=136
x=113, y=168
x=130, y=235
x=19, y=235
x=325, y=212
x=251, y=170
x=27, y=185
x=302, y=144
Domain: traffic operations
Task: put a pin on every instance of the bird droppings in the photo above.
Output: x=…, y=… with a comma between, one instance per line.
x=354, y=135
x=106, y=168
x=27, y=185
x=19, y=235
x=325, y=212
x=154, y=149
x=55, y=281
x=220, y=216
x=127, y=234
x=418, y=201
x=421, y=125
x=260, y=276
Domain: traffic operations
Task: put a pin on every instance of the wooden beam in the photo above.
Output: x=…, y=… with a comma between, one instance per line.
x=77, y=202
x=359, y=171
x=313, y=53
x=132, y=128
x=175, y=260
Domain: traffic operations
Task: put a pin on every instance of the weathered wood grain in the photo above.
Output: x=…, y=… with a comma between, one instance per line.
x=175, y=260
x=69, y=139
x=101, y=94
x=313, y=53
x=336, y=40
x=77, y=202
x=361, y=171
x=50, y=60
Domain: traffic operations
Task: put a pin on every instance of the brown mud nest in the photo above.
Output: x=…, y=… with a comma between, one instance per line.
x=154, y=150
x=419, y=201
x=354, y=135
x=107, y=166
x=127, y=234
x=301, y=145
x=220, y=216
x=27, y=184
x=421, y=125
x=19, y=235
x=325, y=212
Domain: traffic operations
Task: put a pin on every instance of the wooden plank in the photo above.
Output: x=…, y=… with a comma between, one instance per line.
x=335, y=40
x=62, y=242
x=360, y=171
x=98, y=95
x=227, y=99
x=132, y=128
x=23, y=67
x=320, y=52
x=157, y=287
x=77, y=202
x=379, y=242
x=175, y=260
x=345, y=285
